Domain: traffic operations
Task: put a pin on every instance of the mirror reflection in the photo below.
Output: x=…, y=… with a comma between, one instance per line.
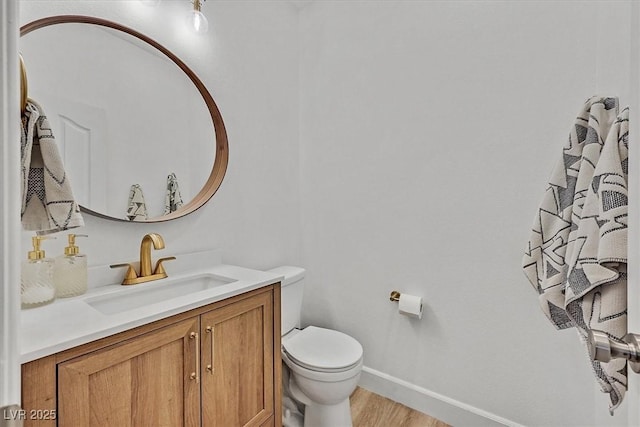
x=135, y=133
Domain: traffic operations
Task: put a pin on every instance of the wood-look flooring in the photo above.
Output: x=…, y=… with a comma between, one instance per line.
x=372, y=410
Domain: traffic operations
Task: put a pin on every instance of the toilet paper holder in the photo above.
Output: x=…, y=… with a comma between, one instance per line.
x=408, y=305
x=395, y=296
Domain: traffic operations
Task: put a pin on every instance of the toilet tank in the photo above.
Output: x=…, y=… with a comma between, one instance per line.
x=290, y=296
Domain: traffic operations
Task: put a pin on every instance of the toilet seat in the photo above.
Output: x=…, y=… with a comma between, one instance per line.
x=323, y=350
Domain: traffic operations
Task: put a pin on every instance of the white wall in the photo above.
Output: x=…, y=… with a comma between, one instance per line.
x=428, y=131
x=248, y=61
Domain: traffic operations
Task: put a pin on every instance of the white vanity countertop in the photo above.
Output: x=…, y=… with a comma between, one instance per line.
x=70, y=322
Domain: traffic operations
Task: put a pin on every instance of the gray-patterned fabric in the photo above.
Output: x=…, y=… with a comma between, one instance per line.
x=576, y=257
x=173, y=198
x=137, y=207
x=48, y=204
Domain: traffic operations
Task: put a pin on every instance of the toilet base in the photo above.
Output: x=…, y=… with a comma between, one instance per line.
x=338, y=415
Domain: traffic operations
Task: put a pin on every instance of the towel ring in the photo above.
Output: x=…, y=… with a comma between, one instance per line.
x=24, y=86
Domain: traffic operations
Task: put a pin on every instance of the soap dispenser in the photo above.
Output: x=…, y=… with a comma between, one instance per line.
x=70, y=271
x=36, y=279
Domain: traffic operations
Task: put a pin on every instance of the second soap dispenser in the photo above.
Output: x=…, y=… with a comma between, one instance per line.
x=70, y=271
x=36, y=278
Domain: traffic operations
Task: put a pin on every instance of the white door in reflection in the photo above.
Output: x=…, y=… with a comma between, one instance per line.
x=80, y=132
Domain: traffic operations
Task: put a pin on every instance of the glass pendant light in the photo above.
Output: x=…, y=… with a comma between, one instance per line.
x=197, y=21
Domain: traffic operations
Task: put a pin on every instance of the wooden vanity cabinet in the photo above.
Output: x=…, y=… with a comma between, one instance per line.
x=215, y=366
x=142, y=381
x=238, y=355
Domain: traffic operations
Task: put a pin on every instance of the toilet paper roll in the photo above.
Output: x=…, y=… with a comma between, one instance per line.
x=410, y=305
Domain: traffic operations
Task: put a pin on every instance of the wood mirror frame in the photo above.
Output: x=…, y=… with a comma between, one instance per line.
x=222, y=150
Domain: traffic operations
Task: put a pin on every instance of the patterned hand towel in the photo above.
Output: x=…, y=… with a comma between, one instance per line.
x=48, y=205
x=559, y=260
x=137, y=209
x=173, y=199
x=556, y=221
x=596, y=291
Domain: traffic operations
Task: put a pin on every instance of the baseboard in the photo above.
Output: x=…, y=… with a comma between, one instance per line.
x=444, y=408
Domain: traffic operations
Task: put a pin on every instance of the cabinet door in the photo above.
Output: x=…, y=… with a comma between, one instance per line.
x=150, y=380
x=237, y=352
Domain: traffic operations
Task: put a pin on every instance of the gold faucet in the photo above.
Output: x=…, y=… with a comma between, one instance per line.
x=146, y=275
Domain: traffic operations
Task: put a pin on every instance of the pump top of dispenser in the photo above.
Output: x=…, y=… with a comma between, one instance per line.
x=37, y=253
x=72, y=249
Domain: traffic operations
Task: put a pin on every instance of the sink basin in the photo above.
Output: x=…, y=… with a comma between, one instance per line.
x=153, y=292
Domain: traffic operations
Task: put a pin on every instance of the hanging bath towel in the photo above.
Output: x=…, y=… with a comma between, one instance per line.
x=48, y=204
x=137, y=210
x=559, y=260
x=557, y=219
x=596, y=291
x=173, y=199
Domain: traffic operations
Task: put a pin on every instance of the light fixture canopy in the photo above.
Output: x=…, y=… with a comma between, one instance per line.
x=197, y=20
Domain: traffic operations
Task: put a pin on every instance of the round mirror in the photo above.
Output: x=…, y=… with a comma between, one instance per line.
x=140, y=136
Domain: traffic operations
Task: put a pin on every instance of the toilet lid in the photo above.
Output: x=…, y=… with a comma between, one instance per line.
x=323, y=349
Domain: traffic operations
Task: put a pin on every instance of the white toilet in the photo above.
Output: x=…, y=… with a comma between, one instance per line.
x=323, y=365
